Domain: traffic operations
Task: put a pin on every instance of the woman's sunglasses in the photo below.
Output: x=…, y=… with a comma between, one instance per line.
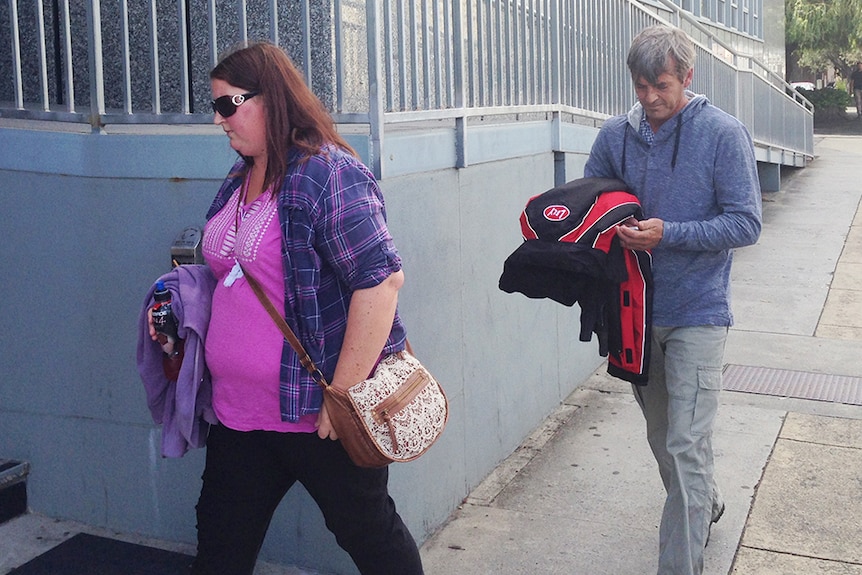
x=227, y=105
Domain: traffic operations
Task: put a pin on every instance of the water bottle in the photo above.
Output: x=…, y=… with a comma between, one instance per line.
x=165, y=324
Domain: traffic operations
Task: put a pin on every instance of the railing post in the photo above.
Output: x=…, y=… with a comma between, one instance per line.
x=458, y=59
x=242, y=21
x=67, y=58
x=184, y=56
x=16, y=55
x=97, y=83
x=556, y=26
x=43, y=58
x=212, y=29
x=556, y=52
x=305, y=11
x=738, y=77
x=273, y=22
x=126, y=57
x=154, y=58
x=375, y=93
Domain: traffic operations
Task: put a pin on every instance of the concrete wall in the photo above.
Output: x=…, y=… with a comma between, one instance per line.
x=87, y=221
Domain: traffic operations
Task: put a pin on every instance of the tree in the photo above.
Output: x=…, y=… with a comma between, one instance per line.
x=825, y=33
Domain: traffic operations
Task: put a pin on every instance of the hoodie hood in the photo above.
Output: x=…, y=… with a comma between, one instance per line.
x=635, y=114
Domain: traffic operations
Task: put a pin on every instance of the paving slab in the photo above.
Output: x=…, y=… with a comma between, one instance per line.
x=843, y=307
x=751, y=302
x=760, y=562
x=835, y=431
x=853, y=246
x=848, y=275
x=495, y=541
x=849, y=333
x=791, y=351
x=807, y=502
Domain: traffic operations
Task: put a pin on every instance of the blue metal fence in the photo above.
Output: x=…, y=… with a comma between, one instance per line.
x=375, y=63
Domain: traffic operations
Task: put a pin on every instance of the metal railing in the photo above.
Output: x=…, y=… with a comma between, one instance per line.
x=375, y=62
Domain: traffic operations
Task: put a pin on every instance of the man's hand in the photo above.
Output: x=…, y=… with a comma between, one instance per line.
x=640, y=235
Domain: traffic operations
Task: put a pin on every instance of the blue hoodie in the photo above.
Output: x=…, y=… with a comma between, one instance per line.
x=699, y=177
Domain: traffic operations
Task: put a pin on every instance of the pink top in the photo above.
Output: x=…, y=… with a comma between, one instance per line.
x=243, y=345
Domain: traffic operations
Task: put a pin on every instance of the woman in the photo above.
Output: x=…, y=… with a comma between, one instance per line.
x=303, y=216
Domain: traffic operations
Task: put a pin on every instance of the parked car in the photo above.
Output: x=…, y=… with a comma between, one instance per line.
x=803, y=86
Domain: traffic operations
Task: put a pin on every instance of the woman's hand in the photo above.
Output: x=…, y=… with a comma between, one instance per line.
x=153, y=335
x=324, y=425
x=168, y=347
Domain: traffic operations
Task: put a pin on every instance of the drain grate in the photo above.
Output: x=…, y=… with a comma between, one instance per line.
x=798, y=384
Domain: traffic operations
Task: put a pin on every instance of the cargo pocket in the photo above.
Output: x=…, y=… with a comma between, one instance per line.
x=706, y=404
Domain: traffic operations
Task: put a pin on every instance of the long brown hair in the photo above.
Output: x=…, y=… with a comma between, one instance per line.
x=295, y=117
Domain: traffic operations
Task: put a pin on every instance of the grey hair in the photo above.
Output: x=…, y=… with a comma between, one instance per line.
x=659, y=49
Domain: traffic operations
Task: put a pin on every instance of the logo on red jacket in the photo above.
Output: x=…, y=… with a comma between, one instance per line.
x=556, y=213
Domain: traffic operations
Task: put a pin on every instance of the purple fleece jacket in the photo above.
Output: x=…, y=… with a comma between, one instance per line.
x=183, y=408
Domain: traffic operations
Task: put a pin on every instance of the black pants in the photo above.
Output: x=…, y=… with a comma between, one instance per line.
x=248, y=473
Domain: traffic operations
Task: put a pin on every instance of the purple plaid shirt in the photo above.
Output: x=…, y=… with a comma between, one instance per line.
x=333, y=222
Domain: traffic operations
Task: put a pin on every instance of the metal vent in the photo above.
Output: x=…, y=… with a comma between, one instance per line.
x=798, y=384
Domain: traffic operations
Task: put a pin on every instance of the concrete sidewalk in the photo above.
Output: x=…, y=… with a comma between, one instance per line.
x=582, y=494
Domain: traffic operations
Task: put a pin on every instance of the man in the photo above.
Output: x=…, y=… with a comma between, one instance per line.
x=692, y=167
x=856, y=88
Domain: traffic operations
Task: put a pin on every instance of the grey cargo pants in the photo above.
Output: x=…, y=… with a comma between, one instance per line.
x=679, y=404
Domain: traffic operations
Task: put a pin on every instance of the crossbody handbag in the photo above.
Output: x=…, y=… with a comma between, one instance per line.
x=393, y=416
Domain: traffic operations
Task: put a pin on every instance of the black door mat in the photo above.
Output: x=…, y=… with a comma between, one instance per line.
x=85, y=554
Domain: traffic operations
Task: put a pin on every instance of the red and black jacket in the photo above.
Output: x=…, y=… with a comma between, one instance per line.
x=571, y=254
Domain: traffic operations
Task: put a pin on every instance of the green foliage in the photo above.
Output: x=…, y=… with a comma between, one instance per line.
x=828, y=98
x=828, y=102
x=825, y=32
x=824, y=23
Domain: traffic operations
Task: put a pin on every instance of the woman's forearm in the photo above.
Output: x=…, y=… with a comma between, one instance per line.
x=369, y=322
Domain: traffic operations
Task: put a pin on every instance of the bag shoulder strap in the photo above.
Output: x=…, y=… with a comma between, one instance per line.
x=291, y=338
